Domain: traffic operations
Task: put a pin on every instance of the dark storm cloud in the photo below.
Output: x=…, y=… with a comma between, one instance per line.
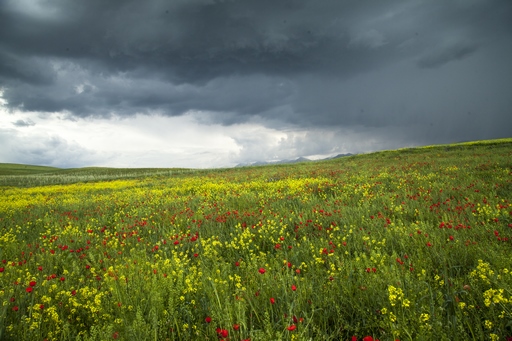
x=318, y=63
x=30, y=69
x=446, y=54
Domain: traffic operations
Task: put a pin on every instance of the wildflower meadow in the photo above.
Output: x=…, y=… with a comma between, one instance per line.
x=412, y=244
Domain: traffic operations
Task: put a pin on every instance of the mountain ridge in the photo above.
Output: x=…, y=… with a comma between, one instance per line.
x=288, y=161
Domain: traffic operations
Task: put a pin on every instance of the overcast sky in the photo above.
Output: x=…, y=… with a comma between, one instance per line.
x=204, y=83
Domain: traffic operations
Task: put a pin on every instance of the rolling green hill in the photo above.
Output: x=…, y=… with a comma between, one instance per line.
x=19, y=169
x=19, y=175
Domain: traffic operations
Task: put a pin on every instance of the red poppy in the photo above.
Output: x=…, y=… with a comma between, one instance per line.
x=237, y=263
x=15, y=308
x=294, y=287
x=261, y=271
x=32, y=284
x=292, y=327
x=272, y=300
x=2, y=269
x=41, y=306
x=29, y=289
x=236, y=326
x=62, y=279
x=222, y=332
x=368, y=338
x=208, y=319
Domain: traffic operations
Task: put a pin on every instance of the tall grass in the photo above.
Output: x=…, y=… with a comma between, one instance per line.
x=410, y=245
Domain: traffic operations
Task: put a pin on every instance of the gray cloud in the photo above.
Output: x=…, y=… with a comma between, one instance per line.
x=23, y=123
x=445, y=54
x=44, y=149
x=428, y=67
x=372, y=39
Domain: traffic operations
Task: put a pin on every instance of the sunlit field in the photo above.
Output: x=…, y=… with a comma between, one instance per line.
x=413, y=244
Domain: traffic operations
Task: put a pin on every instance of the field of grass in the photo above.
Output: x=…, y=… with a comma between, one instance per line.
x=17, y=169
x=412, y=244
x=29, y=176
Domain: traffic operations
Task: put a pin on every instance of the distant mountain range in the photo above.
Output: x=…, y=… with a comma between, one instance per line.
x=300, y=159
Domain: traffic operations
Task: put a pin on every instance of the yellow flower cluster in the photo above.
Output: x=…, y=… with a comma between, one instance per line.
x=424, y=317
x=493, y=296
x=396, y=295
x=483, y=271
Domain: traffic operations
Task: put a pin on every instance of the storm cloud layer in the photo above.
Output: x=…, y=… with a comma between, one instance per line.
x=393, y=72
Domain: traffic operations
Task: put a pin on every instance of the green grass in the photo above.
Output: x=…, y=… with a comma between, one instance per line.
x=412, y=244
x=19, y=169
x=29, y=175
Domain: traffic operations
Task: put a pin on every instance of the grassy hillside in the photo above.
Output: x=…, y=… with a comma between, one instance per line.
x=31, y=175
x=412, y=244
x=41, y=176
x=19, y=169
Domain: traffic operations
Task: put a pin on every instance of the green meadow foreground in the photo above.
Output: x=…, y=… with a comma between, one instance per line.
x=413, y=244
